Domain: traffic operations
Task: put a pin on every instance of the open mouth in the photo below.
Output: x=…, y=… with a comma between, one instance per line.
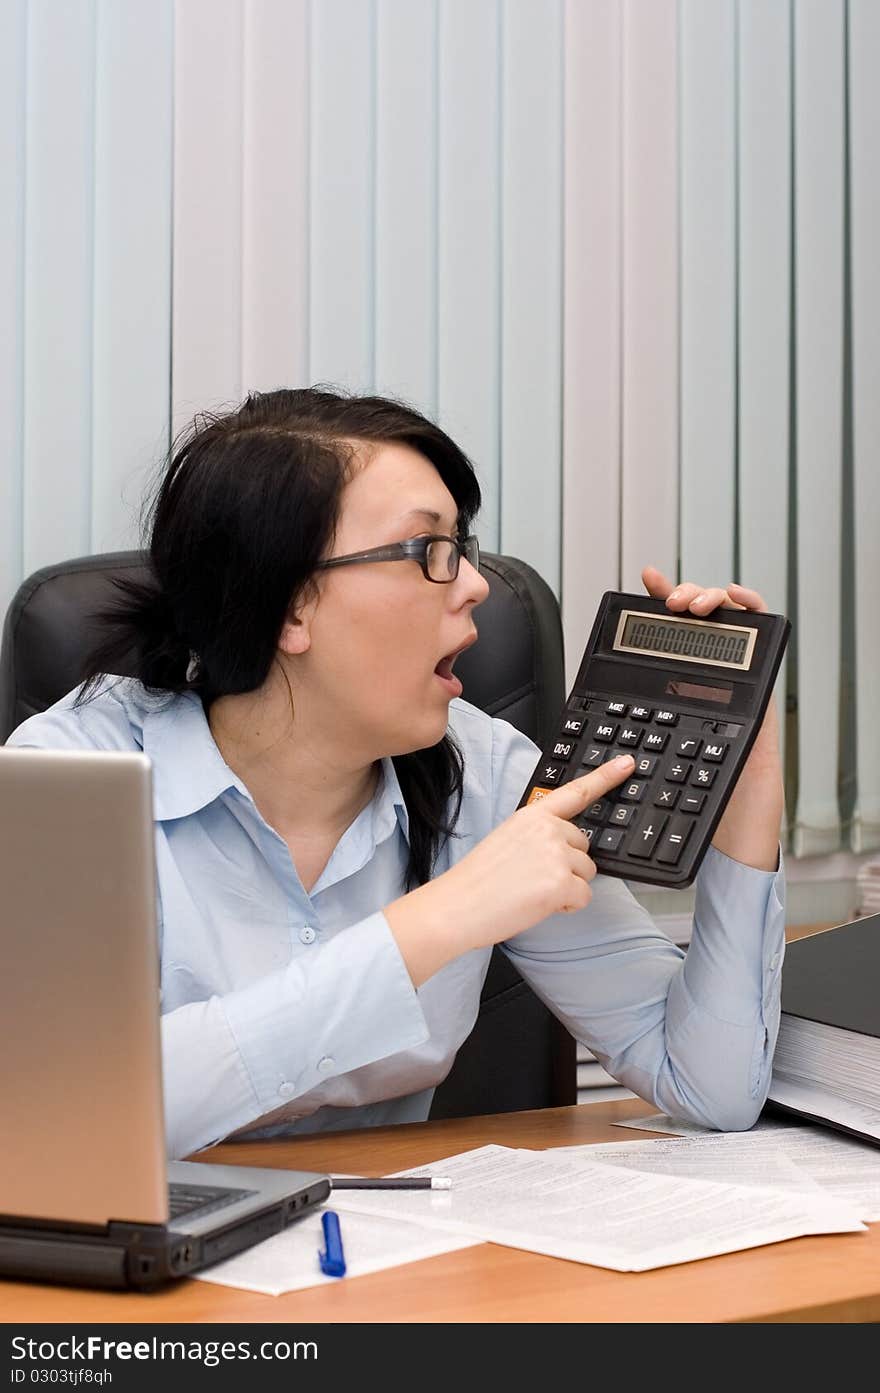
x=444, y=667
x=444, y=671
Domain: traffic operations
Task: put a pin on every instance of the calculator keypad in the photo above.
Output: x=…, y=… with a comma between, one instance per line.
x=651, y=816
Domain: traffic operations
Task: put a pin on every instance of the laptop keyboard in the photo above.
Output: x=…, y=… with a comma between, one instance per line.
x=188, y=1199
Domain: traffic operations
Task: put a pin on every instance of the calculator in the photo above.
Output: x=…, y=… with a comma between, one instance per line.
x=685, y=697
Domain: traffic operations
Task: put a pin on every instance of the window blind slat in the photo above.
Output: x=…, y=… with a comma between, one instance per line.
x=132, y=302
x=468, y=241
x=818, y=205
x=591, y=343
x=341, y=193
x=649, y=486
x=206, y=330
x=275, y=176
x=406, y=214
x=13, y=59
x=864, y=116
x=764, y=305
x=59, y=231
x=708, y=281
x=531, y=315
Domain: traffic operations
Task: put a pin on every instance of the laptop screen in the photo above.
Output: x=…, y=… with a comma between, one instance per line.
x=83, y=1123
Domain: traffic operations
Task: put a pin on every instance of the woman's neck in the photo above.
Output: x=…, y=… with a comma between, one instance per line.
x=304, y=785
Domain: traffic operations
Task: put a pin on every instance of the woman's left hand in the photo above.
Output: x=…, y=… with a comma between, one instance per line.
x=749, y=828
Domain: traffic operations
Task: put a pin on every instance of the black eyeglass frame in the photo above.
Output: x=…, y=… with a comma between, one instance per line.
x=413, y=549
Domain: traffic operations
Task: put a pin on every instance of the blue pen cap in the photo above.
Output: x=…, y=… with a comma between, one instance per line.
x=332, y=1260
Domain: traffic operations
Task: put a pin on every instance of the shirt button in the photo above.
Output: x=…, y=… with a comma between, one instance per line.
x=307, y=934
x=286, y=1090
x=326, y=1064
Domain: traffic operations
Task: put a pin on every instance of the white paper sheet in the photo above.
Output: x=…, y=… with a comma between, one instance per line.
x=288, y=1261
x=792, y=1157
x=662, y=1122
x=729, y=1158
x=568, y=1207
x=678, y=1127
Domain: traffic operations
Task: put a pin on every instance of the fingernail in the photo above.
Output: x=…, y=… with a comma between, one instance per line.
x=699, y=600
x=675, y=595
x=621, y=760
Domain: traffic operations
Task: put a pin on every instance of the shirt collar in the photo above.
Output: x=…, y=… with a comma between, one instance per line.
x=189, y=771
x=389, y=804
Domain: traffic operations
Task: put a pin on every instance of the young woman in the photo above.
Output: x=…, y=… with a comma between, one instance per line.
x=337, y=845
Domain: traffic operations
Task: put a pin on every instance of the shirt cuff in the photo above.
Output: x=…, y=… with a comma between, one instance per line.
x=738, y=937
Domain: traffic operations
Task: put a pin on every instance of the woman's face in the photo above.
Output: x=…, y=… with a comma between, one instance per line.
x=378, y=630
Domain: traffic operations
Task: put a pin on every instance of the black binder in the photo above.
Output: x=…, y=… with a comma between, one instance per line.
x=832, y=978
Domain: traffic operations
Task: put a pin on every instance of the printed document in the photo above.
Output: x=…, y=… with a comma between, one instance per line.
x=610, y=1216
x=844, y=1167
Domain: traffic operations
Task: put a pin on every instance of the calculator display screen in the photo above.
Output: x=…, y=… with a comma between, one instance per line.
x=685, y=640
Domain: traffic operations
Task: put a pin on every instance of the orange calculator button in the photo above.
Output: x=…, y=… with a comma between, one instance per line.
x=537, y=793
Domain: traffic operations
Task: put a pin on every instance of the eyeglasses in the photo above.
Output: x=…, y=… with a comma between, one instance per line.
x=439, y=557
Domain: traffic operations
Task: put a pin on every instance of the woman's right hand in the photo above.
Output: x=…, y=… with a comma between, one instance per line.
x=532, y=865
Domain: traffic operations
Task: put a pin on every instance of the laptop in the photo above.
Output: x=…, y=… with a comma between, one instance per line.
x=86, y=1193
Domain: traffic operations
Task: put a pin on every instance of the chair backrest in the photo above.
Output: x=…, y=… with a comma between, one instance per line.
x=518, y=1055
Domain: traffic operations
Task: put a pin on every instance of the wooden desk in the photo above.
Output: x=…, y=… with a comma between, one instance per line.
x=829, y=1278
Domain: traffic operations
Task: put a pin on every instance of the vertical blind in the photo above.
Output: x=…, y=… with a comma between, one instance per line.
x=623, y=250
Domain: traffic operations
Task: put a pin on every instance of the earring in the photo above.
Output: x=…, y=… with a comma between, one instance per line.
x=193, y=667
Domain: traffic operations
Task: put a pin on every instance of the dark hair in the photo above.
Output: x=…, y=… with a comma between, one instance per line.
x=247, y=506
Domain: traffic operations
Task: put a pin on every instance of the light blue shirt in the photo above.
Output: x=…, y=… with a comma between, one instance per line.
x=285, y=1012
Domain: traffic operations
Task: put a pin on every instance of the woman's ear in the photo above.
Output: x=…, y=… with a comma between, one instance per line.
x=296, y=631
x=294, y=637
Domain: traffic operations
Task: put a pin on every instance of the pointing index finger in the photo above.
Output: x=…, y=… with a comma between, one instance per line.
x=572, y=797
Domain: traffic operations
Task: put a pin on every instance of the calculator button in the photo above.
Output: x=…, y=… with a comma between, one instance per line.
x=573, y=725
x=655, y=740
x=629, y=736
x=673, y=841
x=622, y=815
x=677, y=772
x=692, y=803
x=666, y=718
x=588, y=830
x=640, y=713
x=597, y=811
x=616, y=708
x=688, y=746
x=550, y=773
x=593, y=755
x=563, y=749
x=604, y=732
x=615, y=753
x=666, y=797
x=714, y=750
x=645, y=765
x=610, y=839
x=537, y=793
x=577, y=703
x=647, y=835
x=632, y=792
x=703, y=777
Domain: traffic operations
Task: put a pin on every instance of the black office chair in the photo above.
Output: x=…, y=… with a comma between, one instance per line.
x=518, y=1055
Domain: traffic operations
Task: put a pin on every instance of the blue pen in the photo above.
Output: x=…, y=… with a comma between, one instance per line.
x=333, y=1260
